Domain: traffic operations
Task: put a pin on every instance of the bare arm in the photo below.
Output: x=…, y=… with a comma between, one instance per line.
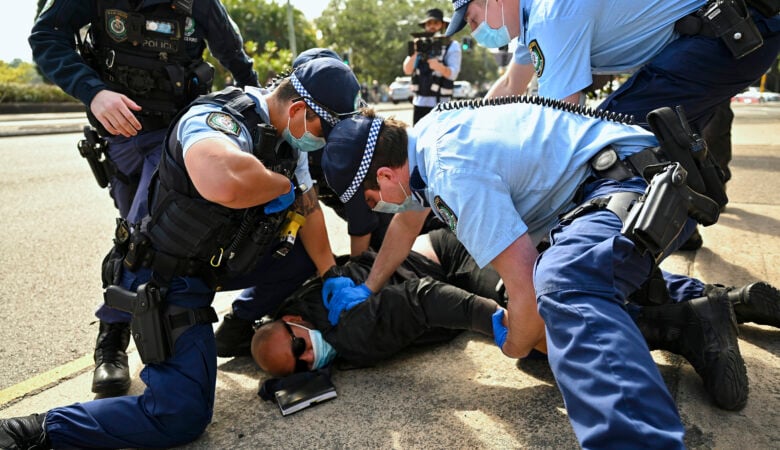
x=526, y=328
x=314, y=235
x=513, y=82
x=223, y=174
x=409, y=64
x=400, y=236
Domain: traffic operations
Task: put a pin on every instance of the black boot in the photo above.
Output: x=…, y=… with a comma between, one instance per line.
x=112, y=374
x=24, y=433
x=704, y=332
x=757, y=302
x=234, y=337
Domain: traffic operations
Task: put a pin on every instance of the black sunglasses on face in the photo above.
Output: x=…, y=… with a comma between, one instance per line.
x=298, y=347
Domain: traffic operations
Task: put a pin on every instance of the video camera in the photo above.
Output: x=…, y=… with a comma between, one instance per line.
x=427, y=45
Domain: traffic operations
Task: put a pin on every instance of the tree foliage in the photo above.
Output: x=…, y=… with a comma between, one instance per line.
x=263, y=25
x=377, y=34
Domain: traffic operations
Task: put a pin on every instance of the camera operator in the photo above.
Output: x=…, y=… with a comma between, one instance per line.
x=433, y=62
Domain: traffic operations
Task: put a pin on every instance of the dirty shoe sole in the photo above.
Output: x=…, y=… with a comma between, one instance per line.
x=759, y=303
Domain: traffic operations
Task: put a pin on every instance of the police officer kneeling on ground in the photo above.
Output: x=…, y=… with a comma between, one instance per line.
x=139, y=64
x=229, y=175
x=504, y=175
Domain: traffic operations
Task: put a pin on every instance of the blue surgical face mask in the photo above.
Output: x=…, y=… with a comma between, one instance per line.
x=324, y=353
x=410, y=203
x=306, y=143
x=492, y=37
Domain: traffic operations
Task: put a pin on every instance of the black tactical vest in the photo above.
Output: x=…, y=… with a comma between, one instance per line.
x=184, y=225
x=152, y=55
x=425, y=83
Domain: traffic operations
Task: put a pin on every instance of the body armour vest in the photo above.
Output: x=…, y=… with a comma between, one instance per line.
x=425, y=83
x=153, y=55
x=201, y=234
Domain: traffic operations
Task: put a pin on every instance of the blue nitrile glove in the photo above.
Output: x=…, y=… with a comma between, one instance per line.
x=499, y=330
x=332, y=285
x=281, y=202
x=346, y=299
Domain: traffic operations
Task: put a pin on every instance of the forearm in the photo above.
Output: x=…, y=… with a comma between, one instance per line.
x=409, y=64
x=526, y=328
x=400, y=236
x=513, y=82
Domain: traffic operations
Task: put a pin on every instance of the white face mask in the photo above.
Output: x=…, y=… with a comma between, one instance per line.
x=410, y=203
x=492, y=37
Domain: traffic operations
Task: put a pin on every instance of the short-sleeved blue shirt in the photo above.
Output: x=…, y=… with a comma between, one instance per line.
x=193, y=127
x=568, y=41
x=494, y=173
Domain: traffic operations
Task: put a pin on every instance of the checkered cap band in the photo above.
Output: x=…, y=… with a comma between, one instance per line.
x=308, y=99
x=457, y=4
x=368, y=153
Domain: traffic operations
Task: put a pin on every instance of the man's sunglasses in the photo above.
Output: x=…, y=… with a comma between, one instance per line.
x=298, y=347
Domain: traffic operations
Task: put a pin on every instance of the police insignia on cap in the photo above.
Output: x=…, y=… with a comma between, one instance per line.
x=445, y=212
x=224, y=123
x=537, y=57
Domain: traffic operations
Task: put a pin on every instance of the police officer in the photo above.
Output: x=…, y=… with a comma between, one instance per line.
x=500, y=174
x=139, y=64
x=566, y=43
x=227, y=179
x=433, y=73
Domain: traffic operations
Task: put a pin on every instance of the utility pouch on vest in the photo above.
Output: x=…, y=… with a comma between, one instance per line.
x=148, y=328
x=680, y=144
x=138, y=253
x=730, y=21
x=254, y=239
x=113, y=262
x=768, y=8
x=93, y=149
x=659, y=216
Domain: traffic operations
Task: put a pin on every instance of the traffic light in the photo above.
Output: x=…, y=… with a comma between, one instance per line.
x=467, y=43
x=345, y=58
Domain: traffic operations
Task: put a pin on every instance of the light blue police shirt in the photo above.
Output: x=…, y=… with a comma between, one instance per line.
x=568, y=41
x=494, y=173
x=452, y=60
x=193, y=128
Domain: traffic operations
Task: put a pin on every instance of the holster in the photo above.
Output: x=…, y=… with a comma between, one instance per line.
x=92, y=148
x=680, y=144
x=730, y=21
x=147, y=327
x=155, y=326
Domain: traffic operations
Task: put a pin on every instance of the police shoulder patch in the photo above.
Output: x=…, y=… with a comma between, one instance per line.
x=537, y=57
x=224, y=123
x=446, y=213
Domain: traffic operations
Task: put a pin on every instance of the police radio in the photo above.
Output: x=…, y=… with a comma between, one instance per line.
x=730, y=21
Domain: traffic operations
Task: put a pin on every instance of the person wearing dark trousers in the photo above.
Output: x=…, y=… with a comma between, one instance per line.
x=138, y=65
